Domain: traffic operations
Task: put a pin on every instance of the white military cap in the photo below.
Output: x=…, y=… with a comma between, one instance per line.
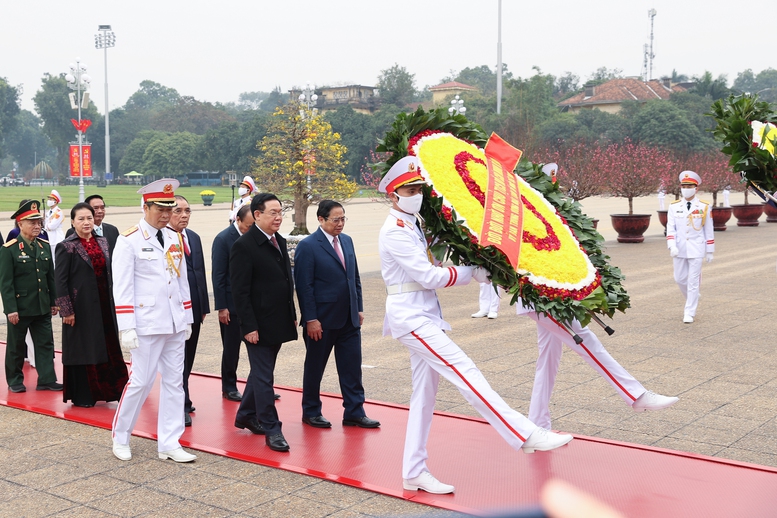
x=249, y=183
x=160, y=192
x=405, y=172
x=690, y=177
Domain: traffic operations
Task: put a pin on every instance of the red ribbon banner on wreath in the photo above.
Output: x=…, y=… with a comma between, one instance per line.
x=503, y=220
x=81, y=125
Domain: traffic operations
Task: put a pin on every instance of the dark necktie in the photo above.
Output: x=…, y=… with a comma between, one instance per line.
x=689, y=205
x=275, y=243
x=160, y=238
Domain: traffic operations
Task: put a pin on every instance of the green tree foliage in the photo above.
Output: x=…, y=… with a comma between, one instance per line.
x=172, y=155
x=26, y=142
x=53, y=106
x=709, y=87
x=274, y=100
x=189, y=115
x=764, y=83
x=359, y=135
x=662, y=124
x=302, y=158
x=232, y=146
x=604, y=74
x=132, y=160
x=9, y=109
x=397, y=86
x=152, y=96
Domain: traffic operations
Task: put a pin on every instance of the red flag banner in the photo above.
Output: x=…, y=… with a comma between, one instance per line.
x=503, y=220
x=75, y=165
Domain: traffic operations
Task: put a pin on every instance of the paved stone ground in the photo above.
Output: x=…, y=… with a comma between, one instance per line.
x=722, y=367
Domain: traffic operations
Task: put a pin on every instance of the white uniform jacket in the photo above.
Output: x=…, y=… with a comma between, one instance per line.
x=690, y=230
x=150, y=296
x=237, y=205
x=404, y=259
x=53, y=226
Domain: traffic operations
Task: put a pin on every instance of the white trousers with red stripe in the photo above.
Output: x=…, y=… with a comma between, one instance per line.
x=433, y=354
x=551, y=338
x=687, y=275
x=156, y=353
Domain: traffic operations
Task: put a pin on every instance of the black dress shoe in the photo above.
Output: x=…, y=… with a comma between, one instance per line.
x=192, y=410
x=277, y=442
x=50, y=386
x=251, y=424
x=17, y=388
x=277, y=396
x=362, y=422
x=317, y=422
x=232, y=396
x=187, y=419
x=83, y=405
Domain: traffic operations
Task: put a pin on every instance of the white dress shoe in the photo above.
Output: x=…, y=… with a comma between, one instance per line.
x=178, y=455
x=544, y=440
x=428, y=483
x=122, y=451
x=492, y=315
x=480, y=314
x=652, y=401
x=687, y=319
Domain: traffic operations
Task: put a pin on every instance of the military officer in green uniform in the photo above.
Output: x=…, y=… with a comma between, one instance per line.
x=27, y=288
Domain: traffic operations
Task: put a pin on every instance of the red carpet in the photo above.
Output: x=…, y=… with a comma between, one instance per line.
x=489, y=476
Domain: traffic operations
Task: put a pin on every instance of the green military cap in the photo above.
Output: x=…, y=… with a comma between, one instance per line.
x=28, y=210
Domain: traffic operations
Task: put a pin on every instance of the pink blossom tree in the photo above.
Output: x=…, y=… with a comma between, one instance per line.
x=714, y=170
x=578, y=172
x=633, y=170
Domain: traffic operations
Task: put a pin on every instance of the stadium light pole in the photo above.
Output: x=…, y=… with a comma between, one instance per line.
x=104, y=40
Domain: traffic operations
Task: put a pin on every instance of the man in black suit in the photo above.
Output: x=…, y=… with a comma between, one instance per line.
x=329, y=292
x=198, y=287
x=222, y=297
x=101, y=228
x=263, y=293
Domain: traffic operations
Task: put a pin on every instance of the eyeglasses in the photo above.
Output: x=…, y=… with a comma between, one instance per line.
x=274, y=213
x=180, y=211
x=337, y=221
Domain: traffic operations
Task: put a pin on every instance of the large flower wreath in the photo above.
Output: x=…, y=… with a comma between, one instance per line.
x=746, y=126
x=562, y=271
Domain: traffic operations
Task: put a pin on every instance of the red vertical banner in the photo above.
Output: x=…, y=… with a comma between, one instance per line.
x=503, y=220
x=75, y=163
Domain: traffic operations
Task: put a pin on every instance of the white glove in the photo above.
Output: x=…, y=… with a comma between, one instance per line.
x=709, y=257
x=188, y=332
x=128, y=339
x=673, y=251
x=480, y=274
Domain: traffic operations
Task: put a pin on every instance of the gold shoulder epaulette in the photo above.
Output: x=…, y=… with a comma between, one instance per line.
x=9, y=243
x=129, y=231
x=44, y=240
x=676, y=201
x=705, y=202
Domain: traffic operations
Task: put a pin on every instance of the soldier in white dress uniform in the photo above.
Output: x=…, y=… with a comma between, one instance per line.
x=690, y=238
x=53, y=221
x=489, y=298
x=246, y=190
x=154, y=313
x=413, y=316
x=551, y=338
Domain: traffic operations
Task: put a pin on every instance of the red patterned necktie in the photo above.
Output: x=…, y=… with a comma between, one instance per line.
x=185, y=245
x=275, y=243
x=336, y=244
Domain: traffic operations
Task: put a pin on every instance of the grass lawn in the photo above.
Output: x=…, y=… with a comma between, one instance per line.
x=115, y=195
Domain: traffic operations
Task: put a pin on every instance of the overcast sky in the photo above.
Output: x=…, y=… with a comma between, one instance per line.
x=213, y=51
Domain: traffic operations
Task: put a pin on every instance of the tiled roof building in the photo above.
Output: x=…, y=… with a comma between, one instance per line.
x=609, y=96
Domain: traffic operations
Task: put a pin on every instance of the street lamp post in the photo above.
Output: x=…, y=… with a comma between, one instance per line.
x=78, y=80
x=499, y=61
x=457, y=107
x=104, y=40
x=308, y=98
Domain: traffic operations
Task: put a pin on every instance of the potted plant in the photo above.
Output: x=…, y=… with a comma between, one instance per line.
x=579, y=175
x=633, y=170
x=207, y=197
x=747, y=214
x=716, y=176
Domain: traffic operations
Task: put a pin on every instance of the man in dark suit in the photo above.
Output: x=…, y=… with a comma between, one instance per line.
x=263, y=293
x=101, y=228
x=329, y=292
x=222, y=297
x=198, y=287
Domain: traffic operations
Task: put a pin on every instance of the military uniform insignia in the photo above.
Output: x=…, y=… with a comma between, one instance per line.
x=34, y=206
x=130, y=231
x=10, y=243
x=400, y=222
